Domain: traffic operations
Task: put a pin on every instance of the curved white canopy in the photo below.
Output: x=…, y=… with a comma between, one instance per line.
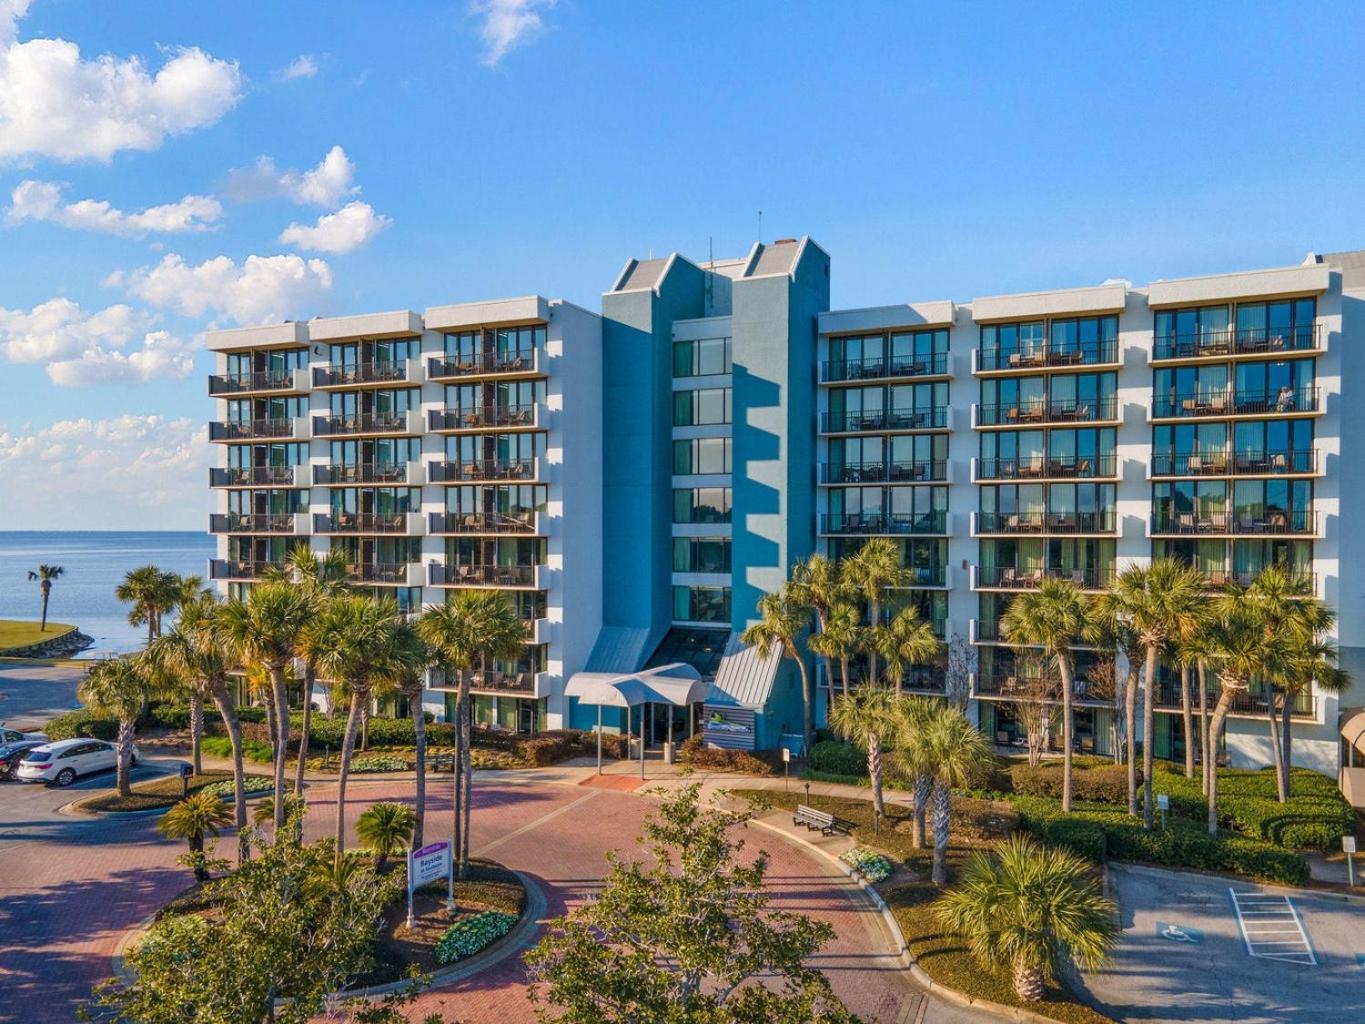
x=678, y=683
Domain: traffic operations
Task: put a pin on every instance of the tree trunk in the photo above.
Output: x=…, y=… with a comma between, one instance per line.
x=1148, y=701
x=125, y=752
x=196, y=842
x=808, y=699
x=223, y=702
x=347, y=749
x=365, y=728
x=872, y=651
x=271, y=726
x=1130, y=696
x=1187, y=719
x=309, y=678
x=1028, y=982
x=1068, y=723
x=1220, y=715
x=843, y=666
x=467, y=776
x=282, y=741
x=419, y=731
x=942, y=805
x=47, y=592
x=1272, y=712
x=919, y=797
x=196, y=730
x=1205, y=755
x=1286, y=738
x=874, y=772
x=457, y=767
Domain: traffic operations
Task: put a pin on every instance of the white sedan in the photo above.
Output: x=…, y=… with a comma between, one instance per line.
x=67, y=760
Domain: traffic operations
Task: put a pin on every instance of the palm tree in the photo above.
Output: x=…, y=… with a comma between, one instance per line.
x=1110, y=630
x=1053, y=617
x=1159, y=602
x=818, y=583
x=171, y=659
x=838, y=640
x=118, y=688
x=45, y=575
x=192, y=819
x=357, y=634
x=782, y=620
x=913, y=757
x=386, y=828
x=411, y=660
x=476, y=628
x=1310, y=659
x=265, y=629
x=1033, y=907
x=905, y=640
x=867, y=717
x=875, y=569
x=152, y=592
x=960, y=755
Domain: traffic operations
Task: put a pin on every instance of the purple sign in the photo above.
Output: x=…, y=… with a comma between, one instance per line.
x=428, y=864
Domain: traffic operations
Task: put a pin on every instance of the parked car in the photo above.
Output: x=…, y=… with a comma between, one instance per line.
x=8, y=735
x=11, y=753
x=64, y=762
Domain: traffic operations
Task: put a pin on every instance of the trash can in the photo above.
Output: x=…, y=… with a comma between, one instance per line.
x=669, y=753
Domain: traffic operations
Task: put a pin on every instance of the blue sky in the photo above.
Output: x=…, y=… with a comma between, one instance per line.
x=510, y=146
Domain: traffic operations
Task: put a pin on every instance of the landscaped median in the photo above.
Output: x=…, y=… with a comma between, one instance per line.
x=166, y=791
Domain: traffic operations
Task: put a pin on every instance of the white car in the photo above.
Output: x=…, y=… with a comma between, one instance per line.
x=64, y=762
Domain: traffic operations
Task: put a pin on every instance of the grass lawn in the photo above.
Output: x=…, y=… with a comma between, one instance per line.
x=152, y=795
x=16, y=633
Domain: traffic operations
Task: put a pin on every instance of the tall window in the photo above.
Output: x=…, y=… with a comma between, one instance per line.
x=701, y=407
x=703, y=357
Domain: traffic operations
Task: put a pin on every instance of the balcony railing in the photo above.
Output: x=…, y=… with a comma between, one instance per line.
x=1097, y=354
x=1244, y=702
x=262, y=380
x=884, y=522
x=1279, y=521
x=361, y=473
x=512, y=361
x=379, y=572
x=1218, y=578
x=360, y=522
x=1218, y=463
x=1038, y=467
x=1243, y=403
x=1300, y=338
x=251, y=476
x=482, y=469
x=1044, y=410
x=482, y=575
x=933, y=418
x=482, y=522
x=232, y=569
x=883, y=472
x=1045, y=522
x=1018, y=684
x=493, y=681
x=361, y=423
x=251, y=522
x=359, y=373
x=487, y=416
x=875, y=367
x=1010, y=577
x=245, y=430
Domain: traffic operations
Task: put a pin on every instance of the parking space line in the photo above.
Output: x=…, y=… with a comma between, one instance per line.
x=1261, y=916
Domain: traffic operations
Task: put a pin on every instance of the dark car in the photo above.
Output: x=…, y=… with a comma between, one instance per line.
x=12, y=753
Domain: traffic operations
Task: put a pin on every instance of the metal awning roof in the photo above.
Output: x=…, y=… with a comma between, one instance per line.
x=678, y=683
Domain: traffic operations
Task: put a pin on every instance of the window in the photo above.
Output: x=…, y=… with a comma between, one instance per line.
x=704, y=357
x=701, y=455
x=701, y=604
x=701, y=505
x=701, y=554
x=701, y=407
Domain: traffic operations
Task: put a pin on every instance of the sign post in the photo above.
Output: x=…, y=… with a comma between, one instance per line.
x=786, y=769
x=1348, y=847
x=186, y=770
x=1163, y=803
x=427, y=865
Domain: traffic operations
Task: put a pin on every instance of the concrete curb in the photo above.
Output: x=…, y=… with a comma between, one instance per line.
x=922, y=979
x=1275, y=887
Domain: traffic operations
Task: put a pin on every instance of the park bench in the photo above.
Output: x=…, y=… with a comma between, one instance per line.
x=827, y=823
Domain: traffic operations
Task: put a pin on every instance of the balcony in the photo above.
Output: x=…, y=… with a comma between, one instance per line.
x=1275, y=522
x=1043, y=410
x=254, y=430
x=1037, y=467
x=1214, y=404
x=482, y=575
x=482, y=522
x=492, y=681
x=482, y=418
x=354, y=374
x=1011, y=523
x=934, y=418
x=366, y=522
x=883, y=368
x=1019, y=685
x=256, y=476
x=253, y=522
x=1049, y=357
x=368, y=423
x=1167, y=698
x=485, y=363
x=882, y=472
x=1009, y=577
x=1232, y=342
x=403, y=574
x=394, y=474
x=482, y=469
x=1216, y=579
x=1243, y=463
x=224, y=384
x=229, y=569
x=884, y=523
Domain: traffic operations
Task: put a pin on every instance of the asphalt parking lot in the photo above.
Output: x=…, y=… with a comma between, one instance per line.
x=1199, y=948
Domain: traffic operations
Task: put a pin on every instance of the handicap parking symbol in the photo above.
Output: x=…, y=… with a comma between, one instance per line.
x=1179, y=933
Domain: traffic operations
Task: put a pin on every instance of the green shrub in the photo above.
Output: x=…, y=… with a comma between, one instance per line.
x=868, y=863
x=467, y=937
x=170, y=716
x=81, y=722
x=378, y=763
x=837, y=759
x=252, y=750
x=251, y=784
x=695, y=754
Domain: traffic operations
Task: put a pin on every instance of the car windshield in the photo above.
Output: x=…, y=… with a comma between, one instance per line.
x=38, y=756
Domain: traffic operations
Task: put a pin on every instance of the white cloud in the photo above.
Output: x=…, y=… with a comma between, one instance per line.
x=42, y=201
x=55, y=104
x=130, y=472
x=302, y=66
x=326, y=185
x=162, y=356
x=261, y=290
x=508, y=24
x=347, y=229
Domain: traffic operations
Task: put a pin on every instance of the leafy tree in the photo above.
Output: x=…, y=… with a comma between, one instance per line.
x=818, y=583
x=868, y=717
x=959, y=756
x=152, y=592
x=782, y=619
x=913, y=758
x=45, y=575
x=118, y=688
x=870, y=573
x=904, y=641
x=839, y=639
x=193, y=819
x=1032, y=907
x=687, y=939
x=385, y=828
x=1053, y=618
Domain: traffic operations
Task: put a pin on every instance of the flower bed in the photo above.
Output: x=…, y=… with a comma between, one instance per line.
x=378, y=763
x=472, y=935
x=871, y=865
x=252, y=785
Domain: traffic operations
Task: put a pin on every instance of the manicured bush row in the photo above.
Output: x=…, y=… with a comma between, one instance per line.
x=868, y=863
x=695, y=754
x=252, y=749
x=1105, y=782
x=81, y=722
x=467, y=937
x=836, y=758
x=378, y=763
x=250, y=784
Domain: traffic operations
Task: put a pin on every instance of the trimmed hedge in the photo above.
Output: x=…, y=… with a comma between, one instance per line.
x=473, y=934
x=834, y=758
x=81, y=722
x=252, y=750
x=695, y=754
x=1105, y=782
